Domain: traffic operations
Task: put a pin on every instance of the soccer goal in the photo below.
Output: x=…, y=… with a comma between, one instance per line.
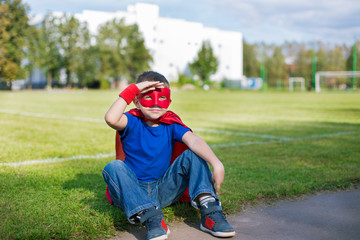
x=337, y=80
x=296, y=81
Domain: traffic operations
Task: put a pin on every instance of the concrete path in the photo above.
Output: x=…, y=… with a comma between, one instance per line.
x=323, y=216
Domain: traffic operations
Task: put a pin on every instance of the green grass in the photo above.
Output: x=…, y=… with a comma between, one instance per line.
x=65, y=200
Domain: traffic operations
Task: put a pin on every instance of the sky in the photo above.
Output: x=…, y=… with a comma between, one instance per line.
x=268, y=21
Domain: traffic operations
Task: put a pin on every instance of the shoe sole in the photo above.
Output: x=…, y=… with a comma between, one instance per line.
x=162, y=237
x=217, y=234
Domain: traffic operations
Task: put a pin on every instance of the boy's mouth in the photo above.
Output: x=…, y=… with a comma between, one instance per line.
x=155, y=108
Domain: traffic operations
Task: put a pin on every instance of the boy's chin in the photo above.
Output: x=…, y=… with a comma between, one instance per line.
x=155, y=115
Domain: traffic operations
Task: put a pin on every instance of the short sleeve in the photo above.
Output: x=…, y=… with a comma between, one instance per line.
x=132, y=122
x=179, y=131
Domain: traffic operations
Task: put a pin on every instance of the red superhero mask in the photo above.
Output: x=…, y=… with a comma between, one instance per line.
x=159, y=97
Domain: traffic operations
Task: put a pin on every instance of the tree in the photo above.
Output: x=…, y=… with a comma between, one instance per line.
x=205, y=64
x=8, y=68
x=13, y=32
x=74, y=37
x=350, y=59
x=321, y=60
x=30, y=53
x=251, y=63
x=137, y=56
x=64, y=43
x=276, y=67
x=122, y=51
x=336, y=60
x=89, y=68
x=48, y=54
x=304, y=64
x=111, y=42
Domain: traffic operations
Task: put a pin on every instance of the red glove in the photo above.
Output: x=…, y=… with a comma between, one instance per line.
x=129, y=93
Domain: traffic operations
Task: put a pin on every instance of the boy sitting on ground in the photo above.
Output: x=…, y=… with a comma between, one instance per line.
x=145, y=181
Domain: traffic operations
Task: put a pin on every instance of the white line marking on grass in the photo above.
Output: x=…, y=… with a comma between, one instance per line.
x=325, y=135
x=98, y=156
x=42, y=115
x=53, y=116
x=283, y=139
x=240, y=144
x=52, y=160
x=236, y=133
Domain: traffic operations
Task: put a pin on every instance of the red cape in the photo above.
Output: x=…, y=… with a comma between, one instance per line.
x=169, y=118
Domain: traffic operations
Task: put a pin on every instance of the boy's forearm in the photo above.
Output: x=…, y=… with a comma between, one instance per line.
x=115, y=113
x=115, y=117
x=202, y=149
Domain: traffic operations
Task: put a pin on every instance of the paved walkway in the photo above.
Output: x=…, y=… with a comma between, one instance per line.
x=323, y=216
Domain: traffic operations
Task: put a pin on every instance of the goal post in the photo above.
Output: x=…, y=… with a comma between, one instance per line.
x=336, y=80
x=293, y=80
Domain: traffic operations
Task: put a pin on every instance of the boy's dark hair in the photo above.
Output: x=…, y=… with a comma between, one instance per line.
x=152, y=76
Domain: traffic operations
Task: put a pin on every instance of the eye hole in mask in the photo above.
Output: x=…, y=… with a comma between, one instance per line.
x=158, y=97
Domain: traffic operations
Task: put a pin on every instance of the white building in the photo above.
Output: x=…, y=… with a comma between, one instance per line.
x=174, y=43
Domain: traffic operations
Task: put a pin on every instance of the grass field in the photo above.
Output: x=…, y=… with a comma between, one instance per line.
x=273, y=145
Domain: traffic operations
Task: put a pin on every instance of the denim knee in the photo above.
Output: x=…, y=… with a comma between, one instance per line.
x=114, y=165
x=192, y=159
x=117, y=168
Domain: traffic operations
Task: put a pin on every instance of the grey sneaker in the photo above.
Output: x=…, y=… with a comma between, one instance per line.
x=213, y=220
x=156, y=228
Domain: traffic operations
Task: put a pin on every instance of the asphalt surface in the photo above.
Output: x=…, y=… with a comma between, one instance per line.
x=322, y=216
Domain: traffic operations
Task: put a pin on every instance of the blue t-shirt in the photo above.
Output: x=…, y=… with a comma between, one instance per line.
x=148, y=149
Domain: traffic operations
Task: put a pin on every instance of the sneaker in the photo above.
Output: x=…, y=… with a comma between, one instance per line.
x=156, y=228
x=213, y=220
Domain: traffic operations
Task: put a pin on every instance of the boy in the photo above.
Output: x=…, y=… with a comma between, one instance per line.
x=145, y=181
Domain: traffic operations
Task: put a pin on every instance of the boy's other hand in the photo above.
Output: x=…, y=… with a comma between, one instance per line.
x=200, y=148
x=218, y=176
x=149, y=86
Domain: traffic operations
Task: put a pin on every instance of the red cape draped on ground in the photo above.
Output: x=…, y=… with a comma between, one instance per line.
x=169, y=118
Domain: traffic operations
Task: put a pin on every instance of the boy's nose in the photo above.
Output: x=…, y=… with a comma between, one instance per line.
x=156, y=101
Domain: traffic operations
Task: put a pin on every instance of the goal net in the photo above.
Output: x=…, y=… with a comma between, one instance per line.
x=294, y=82
x=337, y=80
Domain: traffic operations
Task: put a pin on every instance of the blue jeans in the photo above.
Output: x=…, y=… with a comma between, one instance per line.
x=134, y=196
